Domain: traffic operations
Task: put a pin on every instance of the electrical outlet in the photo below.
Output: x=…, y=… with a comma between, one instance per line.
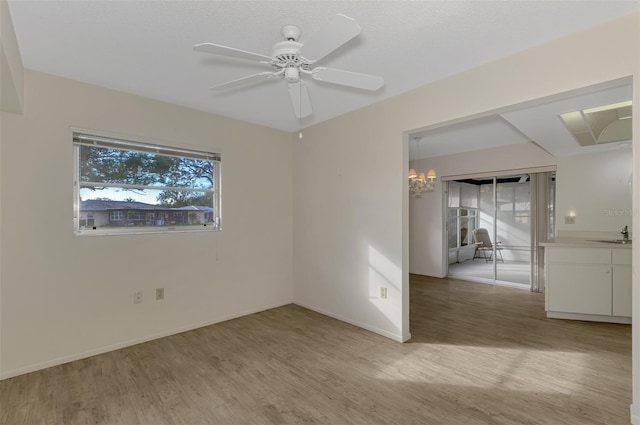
x=383, y=292
x=159, y=293
x=569, y=219
x=137, y=297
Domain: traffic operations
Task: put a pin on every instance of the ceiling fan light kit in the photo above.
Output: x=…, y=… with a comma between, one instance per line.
x=287, y=61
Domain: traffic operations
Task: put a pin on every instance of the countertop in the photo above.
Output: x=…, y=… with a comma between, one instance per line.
x=583, y=243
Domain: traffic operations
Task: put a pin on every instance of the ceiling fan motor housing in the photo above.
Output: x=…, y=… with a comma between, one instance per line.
x=286, y=51
x=286, y=56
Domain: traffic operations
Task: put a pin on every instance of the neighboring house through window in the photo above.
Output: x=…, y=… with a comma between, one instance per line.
x=123, y=186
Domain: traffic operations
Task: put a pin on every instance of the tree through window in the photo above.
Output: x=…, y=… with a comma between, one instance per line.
x=143, y=188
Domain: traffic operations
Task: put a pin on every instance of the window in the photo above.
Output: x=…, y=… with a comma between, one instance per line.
x=462, y=213
x=462, y=223
x=122, y=186
x=114, y=216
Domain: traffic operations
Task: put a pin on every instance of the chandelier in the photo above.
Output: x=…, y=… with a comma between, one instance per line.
x=419, y=182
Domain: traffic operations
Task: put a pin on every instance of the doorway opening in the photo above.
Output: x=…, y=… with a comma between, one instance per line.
x=493, y=227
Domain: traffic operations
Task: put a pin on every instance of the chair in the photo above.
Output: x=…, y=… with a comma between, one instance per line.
x=483, y=241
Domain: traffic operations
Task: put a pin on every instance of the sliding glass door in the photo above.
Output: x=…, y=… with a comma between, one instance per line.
x=489, y=229
x=513, y=232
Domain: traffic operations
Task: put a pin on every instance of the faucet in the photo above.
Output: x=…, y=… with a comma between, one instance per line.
x=625, y=234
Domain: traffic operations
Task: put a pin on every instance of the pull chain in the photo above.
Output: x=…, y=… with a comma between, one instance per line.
x=300, y=109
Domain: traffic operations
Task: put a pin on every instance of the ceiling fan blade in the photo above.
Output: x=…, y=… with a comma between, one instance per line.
x=340, y=30
x=347, y=78
x=300, y=99
x=217, y=49
x=244, y=81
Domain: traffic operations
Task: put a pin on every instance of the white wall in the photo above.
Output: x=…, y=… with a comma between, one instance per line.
x=596, y=188
x=11, y=69
x=635, y=349
x=426, y=220
x=65, y=297
x=348, y=239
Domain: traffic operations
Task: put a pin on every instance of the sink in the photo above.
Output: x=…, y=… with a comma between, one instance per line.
x=613, y=241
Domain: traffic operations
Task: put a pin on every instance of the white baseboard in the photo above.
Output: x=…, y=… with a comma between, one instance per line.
x=635, y=419
x=379, y=331
x=119, y=345
x=589, y=317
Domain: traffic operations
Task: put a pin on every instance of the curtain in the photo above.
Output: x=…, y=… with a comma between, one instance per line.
x=542, y=200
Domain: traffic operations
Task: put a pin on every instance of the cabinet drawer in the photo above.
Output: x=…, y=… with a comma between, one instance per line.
x=621, y=256
x=579, y=255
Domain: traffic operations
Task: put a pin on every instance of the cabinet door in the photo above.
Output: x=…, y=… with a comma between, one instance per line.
x=579, y=288
x=622, y=291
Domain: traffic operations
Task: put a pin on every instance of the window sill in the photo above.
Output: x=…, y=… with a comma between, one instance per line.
x=132, y=231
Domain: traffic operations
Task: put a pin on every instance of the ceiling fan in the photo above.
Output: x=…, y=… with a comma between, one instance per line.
x=291, y=59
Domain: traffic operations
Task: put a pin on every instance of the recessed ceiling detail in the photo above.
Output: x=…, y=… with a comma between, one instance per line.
x=600, y=125
x=539, y=124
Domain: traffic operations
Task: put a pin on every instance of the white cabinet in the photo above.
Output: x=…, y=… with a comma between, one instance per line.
x=621, y=294
x=588, y=283
x=580, y=288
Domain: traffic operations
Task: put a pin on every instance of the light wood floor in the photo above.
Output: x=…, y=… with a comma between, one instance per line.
x=480, y=354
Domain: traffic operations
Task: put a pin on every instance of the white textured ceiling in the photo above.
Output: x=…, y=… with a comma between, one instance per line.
x=145, y=47
x=481, y=133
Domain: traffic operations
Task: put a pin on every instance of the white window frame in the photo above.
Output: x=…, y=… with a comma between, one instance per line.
x=89, y=138
x=117, y=215
x=475, y=218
